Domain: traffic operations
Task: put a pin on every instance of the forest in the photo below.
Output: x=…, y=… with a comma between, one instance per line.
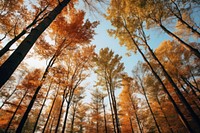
x=47, y=61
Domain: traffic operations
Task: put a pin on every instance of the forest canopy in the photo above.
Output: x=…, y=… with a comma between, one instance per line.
x=79, y=86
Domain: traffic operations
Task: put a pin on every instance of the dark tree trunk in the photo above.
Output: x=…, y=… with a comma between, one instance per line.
x=115, y=111
x=111, y=108
x=187, y=46
x=4, y=102
x=42, y=107
x=145, y=95
x=104, y=114
x=176, y=89
x=25, y=116
x=60, y=113
x=161, y=108
x=73, y=119
x=180, y=18
x=9, y=66
x=131, y=125
x=51, y=110
x=183, y=119
x=135, y=112
x=10, y=122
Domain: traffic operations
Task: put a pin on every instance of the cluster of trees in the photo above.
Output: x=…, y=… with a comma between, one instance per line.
x=161, y=95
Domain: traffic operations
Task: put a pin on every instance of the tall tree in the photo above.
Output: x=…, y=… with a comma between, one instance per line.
x=108, y=70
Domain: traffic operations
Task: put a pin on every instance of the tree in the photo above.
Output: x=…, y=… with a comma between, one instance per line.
x=96, y=108
x=108, y=70
x=136, y=35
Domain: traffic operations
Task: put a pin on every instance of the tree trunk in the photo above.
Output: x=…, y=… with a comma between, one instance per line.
x=115, y=111
x=187, y=46
x=180, y=18
x=182, y=117
x=60, y=113
x=25, y=116
x=51, y=110
x=72, y=122
x=161, y=108
x=111, y=108
x=10, y=122
x=134, y=108
x=131, y=125
x=154, y=118
x=42, y=107
x=104, y=114
x=176, y=89
x=9, y=66
x=8, y=98
x=71, y=94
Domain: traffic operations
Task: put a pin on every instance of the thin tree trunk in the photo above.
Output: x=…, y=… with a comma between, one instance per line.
x=51, y=109
x=115, y=111
x=111, y=108
x=104, y=114
x=71, y=94
x=187, y=46
x=181, y=19
x=131, y=125
x=42, y=107
x=72, y=122
x=9, y=66
x=182, y=117
x=10, y=122
x=134, y=108
x=161, y=108
x=8, y=98
x=145, y=95
x=60, y=113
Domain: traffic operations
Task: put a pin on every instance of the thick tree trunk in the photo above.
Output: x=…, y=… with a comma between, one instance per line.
x=9, y=66
x=23, y=32
x=182, y=117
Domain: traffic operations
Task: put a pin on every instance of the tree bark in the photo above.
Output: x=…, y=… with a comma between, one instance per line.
x=9, y=66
